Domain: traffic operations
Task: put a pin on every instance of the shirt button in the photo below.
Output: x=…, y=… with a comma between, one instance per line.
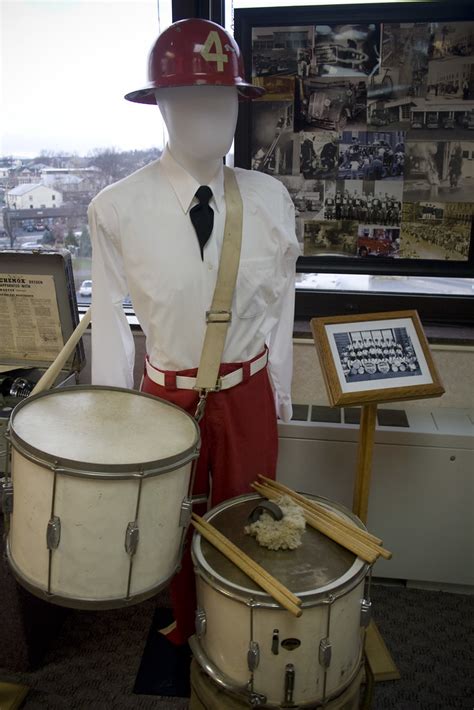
x=210, y=267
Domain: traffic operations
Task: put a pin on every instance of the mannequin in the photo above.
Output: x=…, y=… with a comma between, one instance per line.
x=201, y=123
x=144, y=244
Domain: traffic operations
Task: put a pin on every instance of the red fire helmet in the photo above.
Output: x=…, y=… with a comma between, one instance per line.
x=195, y=52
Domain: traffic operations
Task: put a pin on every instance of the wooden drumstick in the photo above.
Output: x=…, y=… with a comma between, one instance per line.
x=49, y=377
x=315, y=506
x=319, y=510
x=248, y=560
x=245, y=563
x=339, y=535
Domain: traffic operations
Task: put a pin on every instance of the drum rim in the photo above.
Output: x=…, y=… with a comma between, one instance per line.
x=227, y=683
x=75, y=467
x=335, y=589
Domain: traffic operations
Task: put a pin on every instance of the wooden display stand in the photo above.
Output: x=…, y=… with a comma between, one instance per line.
x=365, y=360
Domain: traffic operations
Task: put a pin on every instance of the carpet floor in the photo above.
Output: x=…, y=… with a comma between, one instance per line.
x=92, y=662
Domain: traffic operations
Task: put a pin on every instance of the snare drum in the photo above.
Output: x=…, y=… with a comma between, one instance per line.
x=253, y=648
x=100, y=494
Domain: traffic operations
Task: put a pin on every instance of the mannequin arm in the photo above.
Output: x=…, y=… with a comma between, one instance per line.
x=280, y=340
x=113, y=350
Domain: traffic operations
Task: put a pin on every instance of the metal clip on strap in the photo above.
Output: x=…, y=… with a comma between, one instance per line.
x=201, y=405
x=218, y=316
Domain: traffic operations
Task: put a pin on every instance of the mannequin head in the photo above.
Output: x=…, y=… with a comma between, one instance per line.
x=201, y=123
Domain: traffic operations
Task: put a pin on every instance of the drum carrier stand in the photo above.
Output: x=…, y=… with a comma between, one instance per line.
x=38, y=314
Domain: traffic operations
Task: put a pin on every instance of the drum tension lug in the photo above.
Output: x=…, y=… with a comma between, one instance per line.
x=253, y=656
x=132, y=536
x=6, y=496
x=53, y=532
x=325, y=652
x=185, y=513
x=289, y=685
x=201, y=623
x=365, y=612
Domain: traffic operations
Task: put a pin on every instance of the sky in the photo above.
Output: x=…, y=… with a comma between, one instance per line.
x=65, y=66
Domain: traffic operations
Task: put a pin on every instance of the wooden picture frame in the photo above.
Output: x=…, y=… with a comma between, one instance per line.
x=375, y=357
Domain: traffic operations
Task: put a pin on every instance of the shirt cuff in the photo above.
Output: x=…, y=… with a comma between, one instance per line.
x=283, y=407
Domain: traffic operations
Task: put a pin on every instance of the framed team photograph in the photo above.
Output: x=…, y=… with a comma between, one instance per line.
x=375, y=357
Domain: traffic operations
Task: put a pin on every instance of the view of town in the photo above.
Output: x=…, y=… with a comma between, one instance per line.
x=44, y=201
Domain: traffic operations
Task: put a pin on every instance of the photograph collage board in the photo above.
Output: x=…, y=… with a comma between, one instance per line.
x=371, y=129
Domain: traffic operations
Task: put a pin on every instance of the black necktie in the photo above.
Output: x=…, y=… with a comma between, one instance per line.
x=202, y=216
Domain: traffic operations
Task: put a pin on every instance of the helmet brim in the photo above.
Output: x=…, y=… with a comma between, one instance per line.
x=147, y=95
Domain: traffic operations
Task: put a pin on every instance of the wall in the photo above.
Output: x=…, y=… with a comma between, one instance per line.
x=455, y=364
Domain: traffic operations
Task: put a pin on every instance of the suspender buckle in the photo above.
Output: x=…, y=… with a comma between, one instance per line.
x=218, y=316
x=201, y=405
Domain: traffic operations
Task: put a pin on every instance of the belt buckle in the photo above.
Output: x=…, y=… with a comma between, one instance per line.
x=218, y=386
x=218, y=316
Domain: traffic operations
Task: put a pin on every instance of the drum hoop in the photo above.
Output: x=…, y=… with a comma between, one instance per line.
x=335, y=589
x=74, y=467
x=80, y=602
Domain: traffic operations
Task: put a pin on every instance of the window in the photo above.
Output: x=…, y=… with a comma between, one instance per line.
x=87, y=135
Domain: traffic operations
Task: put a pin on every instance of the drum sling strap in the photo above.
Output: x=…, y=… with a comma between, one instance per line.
x=219, y=316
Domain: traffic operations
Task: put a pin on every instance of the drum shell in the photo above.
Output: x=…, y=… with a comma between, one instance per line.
x=234, y=618
x=121, y=526
x=91, y=564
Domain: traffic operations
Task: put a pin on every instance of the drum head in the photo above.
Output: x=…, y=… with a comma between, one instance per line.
x=317, y=567
x=103, y=429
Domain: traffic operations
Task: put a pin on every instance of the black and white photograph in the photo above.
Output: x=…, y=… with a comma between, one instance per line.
x=331, y=104
x=307, y=195
x=378, y=241
x=281, y=50
x=319, y=154
x=277, y=88
x=367, y=155
x=389, y=112
x=428, y=232
x=439, y=171
x=404, y=61
x=376, y=354
x=368, y=202
x=451, y=39
x=450, y=81
x=346, y=50
x=330, y=238
x=272, y=137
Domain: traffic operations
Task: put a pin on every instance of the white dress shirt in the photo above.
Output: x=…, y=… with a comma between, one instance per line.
x=144, y=245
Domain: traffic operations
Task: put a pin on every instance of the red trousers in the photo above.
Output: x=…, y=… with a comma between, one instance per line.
x=239, y=440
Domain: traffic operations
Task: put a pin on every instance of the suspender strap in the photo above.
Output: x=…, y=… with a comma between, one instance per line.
x=218, y=317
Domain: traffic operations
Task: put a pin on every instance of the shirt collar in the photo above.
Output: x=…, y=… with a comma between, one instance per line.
x=185, y=185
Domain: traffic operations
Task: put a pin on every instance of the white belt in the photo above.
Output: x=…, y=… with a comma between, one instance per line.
x=223, y=383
